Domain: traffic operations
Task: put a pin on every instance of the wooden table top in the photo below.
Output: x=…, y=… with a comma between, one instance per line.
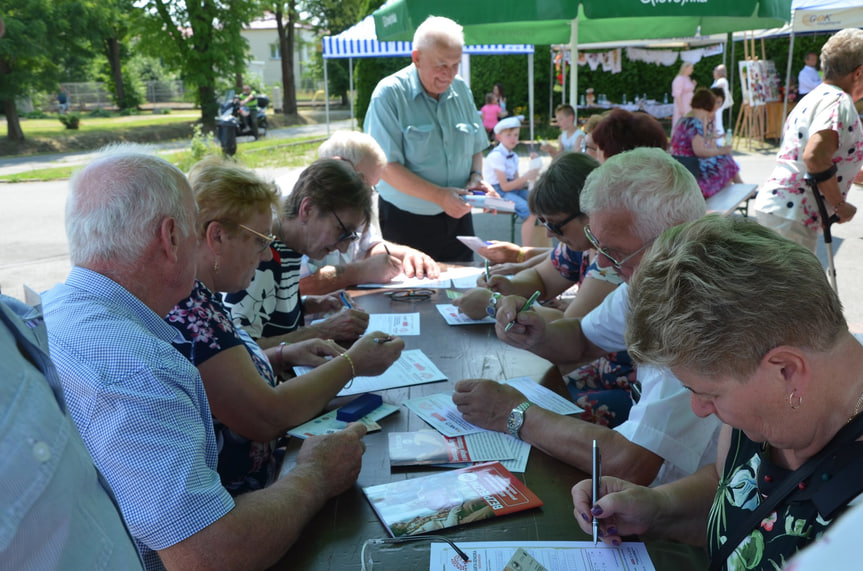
x=334, y=538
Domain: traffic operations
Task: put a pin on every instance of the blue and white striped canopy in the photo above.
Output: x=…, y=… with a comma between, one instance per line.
x=360, y=41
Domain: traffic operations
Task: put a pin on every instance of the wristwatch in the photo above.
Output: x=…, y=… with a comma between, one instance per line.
x=516, y=419
x=491, y=308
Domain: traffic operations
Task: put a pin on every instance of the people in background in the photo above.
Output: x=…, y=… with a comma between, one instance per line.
x=822, y=136
x=370, y=259
x=808, y=78
x=425, y=120
x=682, y=89
x=630, y=200
x=691, y=138
x=767, y=368
x=490, y=113
x=720, y=81
x=251, y=410
x=500, y=93
x=620, y=130
x=500, y=169
x=571, y=136
x=139, y=404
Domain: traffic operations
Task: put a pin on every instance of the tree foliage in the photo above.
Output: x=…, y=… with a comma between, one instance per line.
x=202, y=40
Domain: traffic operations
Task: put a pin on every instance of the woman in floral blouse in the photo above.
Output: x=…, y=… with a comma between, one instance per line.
x=250, y=410
x=783, y=373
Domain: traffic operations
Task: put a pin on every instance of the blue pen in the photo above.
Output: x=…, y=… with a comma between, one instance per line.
x=526, y=306
x=345, y=301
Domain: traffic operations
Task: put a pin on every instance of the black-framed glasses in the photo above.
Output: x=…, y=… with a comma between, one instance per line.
x=614, y=261
x=349, y=235
x=556, y=228
x=412, y=294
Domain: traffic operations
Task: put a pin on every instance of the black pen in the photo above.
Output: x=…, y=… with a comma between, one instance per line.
x=594, y=481
x=382, y=340
x=387, y=249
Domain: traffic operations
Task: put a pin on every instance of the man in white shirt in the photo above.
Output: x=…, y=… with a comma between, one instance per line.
x=808, y=78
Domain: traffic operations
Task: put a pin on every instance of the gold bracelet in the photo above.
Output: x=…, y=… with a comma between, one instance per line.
x=353, y=370
x=520, y=258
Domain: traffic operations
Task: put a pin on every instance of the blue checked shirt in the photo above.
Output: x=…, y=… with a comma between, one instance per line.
x=140, y=407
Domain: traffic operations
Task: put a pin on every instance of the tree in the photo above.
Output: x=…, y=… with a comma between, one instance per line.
x=285, y=30
x=202, y=40
x=333, y=17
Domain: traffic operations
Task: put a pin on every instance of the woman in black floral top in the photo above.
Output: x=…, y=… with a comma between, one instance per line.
x=250, y=410
x=782, y=372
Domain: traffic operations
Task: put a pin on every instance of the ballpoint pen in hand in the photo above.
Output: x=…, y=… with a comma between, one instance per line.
x=487, y=272
x=343, y=297
x=594, y=480
x=526, y=306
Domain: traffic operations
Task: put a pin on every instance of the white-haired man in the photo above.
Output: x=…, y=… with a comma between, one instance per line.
x=425, y=119
x=139, y=405
x=631, y=199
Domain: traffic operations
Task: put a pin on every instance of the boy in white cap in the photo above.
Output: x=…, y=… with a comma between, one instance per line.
x=500, y=169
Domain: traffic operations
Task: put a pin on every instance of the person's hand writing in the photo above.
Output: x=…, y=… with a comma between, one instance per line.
x=337, y=458
x=321, y=304
x=452, y=203
x=419, y=264
x=379, y=269
x=528, y=331
x=623, y=508
x=473, y=303
x=486, y=403
x=373, y=358
x=345, y=325
x=308, y=353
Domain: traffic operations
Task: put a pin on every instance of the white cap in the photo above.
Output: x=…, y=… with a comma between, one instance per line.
x=508, y=123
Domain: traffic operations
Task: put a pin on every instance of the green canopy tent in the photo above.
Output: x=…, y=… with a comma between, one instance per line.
x=581, y=21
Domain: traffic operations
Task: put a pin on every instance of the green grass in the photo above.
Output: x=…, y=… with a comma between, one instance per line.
x=51, y=127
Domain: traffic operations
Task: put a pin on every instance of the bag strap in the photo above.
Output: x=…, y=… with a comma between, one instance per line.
x=847, y=434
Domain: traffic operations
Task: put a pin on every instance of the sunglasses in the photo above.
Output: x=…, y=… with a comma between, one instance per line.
x=349, y=235
x=556, y=228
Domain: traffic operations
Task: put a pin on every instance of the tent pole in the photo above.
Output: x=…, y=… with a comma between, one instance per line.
x=327, y=98
x=351, y=87
x=788, y=72
x=530, y=92
x=573, y=55
x=563, y=74
x=551, y=80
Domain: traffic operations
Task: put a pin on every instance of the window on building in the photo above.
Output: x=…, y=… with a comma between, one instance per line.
x=275, y=52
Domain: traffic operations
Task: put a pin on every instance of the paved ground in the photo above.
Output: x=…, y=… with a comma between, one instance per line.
x=33, y=246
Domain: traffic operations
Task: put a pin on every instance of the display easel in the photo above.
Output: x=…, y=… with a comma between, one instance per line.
x=752, y=118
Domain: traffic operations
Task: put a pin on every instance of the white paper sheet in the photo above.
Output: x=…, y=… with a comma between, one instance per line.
x=453, y=317
x=395, y=323
x=553, y=555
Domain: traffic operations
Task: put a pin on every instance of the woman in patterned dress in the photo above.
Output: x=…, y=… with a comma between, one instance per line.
x=250, y=409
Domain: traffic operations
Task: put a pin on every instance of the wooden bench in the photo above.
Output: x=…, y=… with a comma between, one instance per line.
x=732, y=198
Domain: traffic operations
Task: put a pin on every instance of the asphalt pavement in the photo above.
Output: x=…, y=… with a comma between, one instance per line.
x=33, y=247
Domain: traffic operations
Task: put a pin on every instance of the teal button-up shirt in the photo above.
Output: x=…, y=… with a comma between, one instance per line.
x=433, y=138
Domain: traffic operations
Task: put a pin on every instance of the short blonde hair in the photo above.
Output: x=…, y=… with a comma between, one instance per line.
x=683, y=66
x=227, y=192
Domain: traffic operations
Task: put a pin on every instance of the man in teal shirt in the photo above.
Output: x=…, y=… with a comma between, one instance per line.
x=426, y=121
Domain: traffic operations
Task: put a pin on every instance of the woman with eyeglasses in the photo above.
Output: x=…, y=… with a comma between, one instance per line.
x=250, y=410
x=555, y=200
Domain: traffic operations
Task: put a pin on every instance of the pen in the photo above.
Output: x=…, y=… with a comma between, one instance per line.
x=487, y=272
x=382, y=340
x=594, y=480
x=387, y=249
x=343, y=297
x=526, y=306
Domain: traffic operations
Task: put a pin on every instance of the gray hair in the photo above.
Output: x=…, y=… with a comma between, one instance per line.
x=648, y=183
x=117, y=202
x=717, y=294
x=354, y=147
x=842, y=54
x=438, y=31
x=721, y=70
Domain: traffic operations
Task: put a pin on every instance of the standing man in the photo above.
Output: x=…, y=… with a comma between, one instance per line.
x=808, y=78
x=139, y=405
x=426, y=121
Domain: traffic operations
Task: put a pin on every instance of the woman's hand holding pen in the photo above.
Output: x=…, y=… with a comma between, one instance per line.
x=373, y=353
x=623, y=509
x=528, y=330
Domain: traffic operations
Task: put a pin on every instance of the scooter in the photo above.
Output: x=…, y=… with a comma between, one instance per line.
x=230, y=110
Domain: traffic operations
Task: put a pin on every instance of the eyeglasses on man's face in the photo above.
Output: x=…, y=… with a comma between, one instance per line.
x=614, y=261
x=556, y=228
x=349, y=235
x=264, y=240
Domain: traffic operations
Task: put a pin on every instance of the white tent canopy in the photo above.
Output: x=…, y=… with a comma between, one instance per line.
x=360, y=41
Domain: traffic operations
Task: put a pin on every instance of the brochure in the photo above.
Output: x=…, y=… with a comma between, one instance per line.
x=432, y=447
x=489, y=202
x=447, y=499
x=453, y=316
x=328, y=423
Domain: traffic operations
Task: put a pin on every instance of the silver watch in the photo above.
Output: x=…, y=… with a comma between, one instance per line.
x=516, y=419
